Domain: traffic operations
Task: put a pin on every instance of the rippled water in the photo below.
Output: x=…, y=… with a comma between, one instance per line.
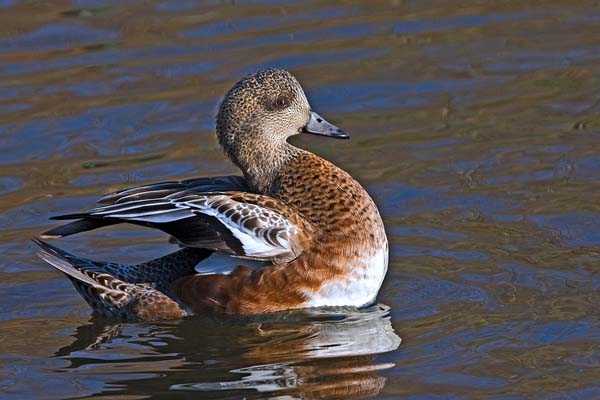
x=475, y=126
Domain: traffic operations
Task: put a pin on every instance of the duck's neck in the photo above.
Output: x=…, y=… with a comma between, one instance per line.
x=261, y=161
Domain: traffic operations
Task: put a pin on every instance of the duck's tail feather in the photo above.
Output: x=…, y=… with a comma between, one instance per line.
x=100, y=284
x=81, y=225
x=159, y=272
x=69, y=216
x=103, y=292
x=59, y=259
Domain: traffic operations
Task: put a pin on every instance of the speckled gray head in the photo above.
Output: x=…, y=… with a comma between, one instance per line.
x=271, y=106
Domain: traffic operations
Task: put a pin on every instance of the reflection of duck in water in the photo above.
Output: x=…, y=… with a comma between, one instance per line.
x=318, y=229
x=320, y=353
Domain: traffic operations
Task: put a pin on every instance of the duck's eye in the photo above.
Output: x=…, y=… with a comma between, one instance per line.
x=280, y=103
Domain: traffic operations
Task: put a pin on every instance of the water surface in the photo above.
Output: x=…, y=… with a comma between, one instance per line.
x=475, y=126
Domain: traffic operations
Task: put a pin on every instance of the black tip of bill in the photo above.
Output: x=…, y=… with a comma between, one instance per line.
x=320, y=126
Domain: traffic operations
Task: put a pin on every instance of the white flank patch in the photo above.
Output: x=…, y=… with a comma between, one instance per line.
x=358, y=289
x=222, y=263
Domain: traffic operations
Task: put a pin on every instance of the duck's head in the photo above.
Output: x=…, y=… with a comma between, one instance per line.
x=264, y=109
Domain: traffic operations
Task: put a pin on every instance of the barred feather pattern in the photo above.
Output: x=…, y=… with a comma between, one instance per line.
x=126, y=292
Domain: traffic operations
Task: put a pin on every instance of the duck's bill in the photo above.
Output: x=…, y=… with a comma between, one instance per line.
x=319, y=126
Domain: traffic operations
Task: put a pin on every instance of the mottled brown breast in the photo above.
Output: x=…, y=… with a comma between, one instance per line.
x=335, y=203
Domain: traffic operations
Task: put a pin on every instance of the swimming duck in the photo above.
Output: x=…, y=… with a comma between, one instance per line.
x=315, y=226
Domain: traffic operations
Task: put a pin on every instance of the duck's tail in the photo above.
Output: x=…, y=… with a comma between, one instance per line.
x=82, y=224
x=130, y=292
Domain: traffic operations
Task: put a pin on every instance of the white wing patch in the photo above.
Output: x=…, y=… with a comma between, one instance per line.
x=261, y=231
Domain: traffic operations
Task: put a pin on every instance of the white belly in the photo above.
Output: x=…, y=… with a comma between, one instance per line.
x=358, y=289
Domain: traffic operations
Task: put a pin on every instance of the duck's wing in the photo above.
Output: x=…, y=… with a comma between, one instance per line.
x=243, y=224
x=161, y=189
x=145, y=192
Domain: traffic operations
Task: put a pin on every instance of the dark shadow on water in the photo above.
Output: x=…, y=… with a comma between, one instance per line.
x=328, y=353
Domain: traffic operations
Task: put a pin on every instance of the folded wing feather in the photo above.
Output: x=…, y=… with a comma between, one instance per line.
x=218, y=213
x=259, y=232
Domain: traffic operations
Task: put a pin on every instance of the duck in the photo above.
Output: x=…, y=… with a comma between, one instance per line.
x=316, y=232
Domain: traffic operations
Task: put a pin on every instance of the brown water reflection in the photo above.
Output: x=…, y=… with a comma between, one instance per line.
x=312, y=354
x=474, y=124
